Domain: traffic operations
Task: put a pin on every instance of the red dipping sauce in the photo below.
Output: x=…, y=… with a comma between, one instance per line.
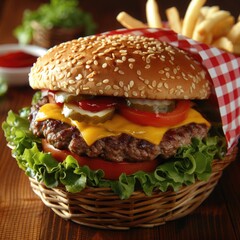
x=17, y=59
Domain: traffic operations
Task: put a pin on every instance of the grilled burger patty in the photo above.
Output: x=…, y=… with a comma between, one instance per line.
x=115, y=148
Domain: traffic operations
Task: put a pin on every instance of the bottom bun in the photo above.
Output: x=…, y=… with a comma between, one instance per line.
x=101, y=208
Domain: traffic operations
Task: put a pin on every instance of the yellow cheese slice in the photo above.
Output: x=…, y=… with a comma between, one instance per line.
x=115, y=126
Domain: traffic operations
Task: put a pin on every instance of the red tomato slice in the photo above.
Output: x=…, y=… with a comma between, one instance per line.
x=112, y=170
x=156, y=119
x=97, y=104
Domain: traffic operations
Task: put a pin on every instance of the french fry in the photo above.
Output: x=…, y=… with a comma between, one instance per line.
x=174, y=20
x=206, y=26
x=223, y=43
x=204, y=11
x=191, y=16
x=223, y=27
x=212, y=10
x=129, y=22
x=234, y=33
x=202, y=15
x=152, y=14
x=236, y=49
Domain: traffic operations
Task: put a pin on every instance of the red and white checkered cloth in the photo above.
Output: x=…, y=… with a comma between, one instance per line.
x=223, y=67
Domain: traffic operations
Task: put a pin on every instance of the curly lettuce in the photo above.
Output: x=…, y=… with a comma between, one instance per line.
x=190, y=164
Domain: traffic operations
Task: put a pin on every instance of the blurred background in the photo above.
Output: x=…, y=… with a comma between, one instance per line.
x=103, y=12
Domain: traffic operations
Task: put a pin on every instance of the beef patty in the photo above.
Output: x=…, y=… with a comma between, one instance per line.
x=115, y=148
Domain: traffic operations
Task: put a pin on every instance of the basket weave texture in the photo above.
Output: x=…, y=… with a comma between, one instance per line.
x=48, y=38
x=101, y=208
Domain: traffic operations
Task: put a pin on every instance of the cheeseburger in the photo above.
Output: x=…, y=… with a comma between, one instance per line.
x=118, y=111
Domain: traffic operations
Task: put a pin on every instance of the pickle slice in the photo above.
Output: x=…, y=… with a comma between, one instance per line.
x=75, y=113
x=64, y=97
x=156, y=106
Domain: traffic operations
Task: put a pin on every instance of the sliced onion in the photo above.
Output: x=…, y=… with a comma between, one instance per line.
x=76, y=113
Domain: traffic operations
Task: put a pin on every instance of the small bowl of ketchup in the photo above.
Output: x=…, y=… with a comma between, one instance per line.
x=16, y=62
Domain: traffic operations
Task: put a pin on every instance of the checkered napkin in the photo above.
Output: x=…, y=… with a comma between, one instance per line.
x=223, y=67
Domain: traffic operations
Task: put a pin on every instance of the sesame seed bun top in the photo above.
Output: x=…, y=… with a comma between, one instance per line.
x=121, y=65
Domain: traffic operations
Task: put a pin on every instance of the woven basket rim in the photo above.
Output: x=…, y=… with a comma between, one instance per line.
x=101, y=208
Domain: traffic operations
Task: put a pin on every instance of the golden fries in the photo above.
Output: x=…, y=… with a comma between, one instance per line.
x=234, y=33
x=205, y=24
x=204, y=28
x=191, y=16
x=152, y=13
x=174, y=20
x=223, y=43
x=223, y=27
x=129, y=22
x=236, y=49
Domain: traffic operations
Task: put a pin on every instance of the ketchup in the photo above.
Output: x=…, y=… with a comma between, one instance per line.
x=17, y=59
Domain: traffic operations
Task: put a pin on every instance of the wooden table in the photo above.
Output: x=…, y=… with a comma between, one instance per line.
x=24, y=216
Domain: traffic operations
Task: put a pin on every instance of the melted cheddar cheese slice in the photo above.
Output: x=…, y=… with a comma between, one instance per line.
x=115, y=126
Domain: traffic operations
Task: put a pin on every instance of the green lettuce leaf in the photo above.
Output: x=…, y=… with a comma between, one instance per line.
x=191, y=163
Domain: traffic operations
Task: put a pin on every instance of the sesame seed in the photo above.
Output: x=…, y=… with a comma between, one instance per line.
x=124, y=58
x=165, y=85
x=118, y=61
x=147, y=66
x=154, y=83
x=74, y=61
x=134, y=93
x=106, y=81
x=121, y=84
x=167, y=74
x=175, y=71
x=131, y=83
x=89, y=62
x=108, y=87
x=79, y=76
x=104, y=65
x=60, y=76
x=91, y=74
x=116, y=87
x=171, y=91
x=131, y=60
x=146, y=82
x=108, y=58
x=130, y=65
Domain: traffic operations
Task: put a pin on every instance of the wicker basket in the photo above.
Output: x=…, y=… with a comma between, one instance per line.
x=101, y=208
x=50, y=37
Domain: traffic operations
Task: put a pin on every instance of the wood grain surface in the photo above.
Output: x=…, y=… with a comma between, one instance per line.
x=23, y=216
